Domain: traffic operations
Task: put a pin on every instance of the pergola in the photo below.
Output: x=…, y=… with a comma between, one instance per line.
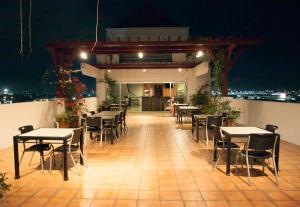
x=64, y=52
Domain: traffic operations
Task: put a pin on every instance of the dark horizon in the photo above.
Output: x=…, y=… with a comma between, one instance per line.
x=273, y=64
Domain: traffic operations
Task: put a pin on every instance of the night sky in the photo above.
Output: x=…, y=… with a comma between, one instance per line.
x=275, y=64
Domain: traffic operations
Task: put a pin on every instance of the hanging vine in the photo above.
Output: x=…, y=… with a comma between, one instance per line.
x=219, y=65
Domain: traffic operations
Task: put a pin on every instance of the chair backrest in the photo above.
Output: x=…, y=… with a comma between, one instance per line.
x=215, y=120
x=262, y=142
x=75, y=139
x=24, y=129
x=93, y=121
x=271, y=128
x=116, y=119
x=218, y=135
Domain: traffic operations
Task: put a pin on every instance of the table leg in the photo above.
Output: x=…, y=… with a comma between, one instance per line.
x=228, y=156
x=16, y=158
x=215, y=150
x=66, y=177
x=277, y=147
x=81, y=146
x=197, y=128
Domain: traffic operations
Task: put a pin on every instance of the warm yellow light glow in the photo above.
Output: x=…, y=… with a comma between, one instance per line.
x=179, y=69
x=84, y=55
x=144, y=70
x=141, y=55
x=199, y=54
x=108, y=71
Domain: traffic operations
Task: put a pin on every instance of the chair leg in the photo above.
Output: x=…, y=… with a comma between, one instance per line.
x=22, y=156
x=248, y=170
x=50, y=167
x=83, y=158
x=31, y=158
x=74, y=163
x=206, y=135
x=275, y=169
x=217, y=162
x=236, y=162
x=42, y=163
x=263, y=165
x=101, y=136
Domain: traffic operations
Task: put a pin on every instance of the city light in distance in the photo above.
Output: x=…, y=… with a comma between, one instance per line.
x=140, y=55
x=84, y=55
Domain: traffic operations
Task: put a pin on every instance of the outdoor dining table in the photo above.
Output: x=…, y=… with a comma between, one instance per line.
x=46, y=134
x=107, y=116
x=244, y=131
x=176, y=106
x=186, y=109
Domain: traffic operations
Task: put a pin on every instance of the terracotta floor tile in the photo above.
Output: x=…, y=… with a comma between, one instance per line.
x=130, y=194
x=191, y=195
x=263, y=204
x=294, y=194
x=170, y=195
x=148, y=203
x=107, y=194
x=234, y=196
x=287, y=203
x=126, y=203
x=256, y=195
x=216, y=203
x=65, y=193
x=35, y=202
x=240, y=204
x=172, y=204
x=78, y=202
x=55, y=202
x=226, y=186
x=212, y=196
x=277, y=196
x=102, y=203
x=149, y=195
x=194, y=204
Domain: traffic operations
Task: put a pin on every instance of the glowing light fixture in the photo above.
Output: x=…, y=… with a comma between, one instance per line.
x=199, y=54
x=140, y=55
x=84, y=55
x=108, y=71
x=144, y=70
x=179, y=69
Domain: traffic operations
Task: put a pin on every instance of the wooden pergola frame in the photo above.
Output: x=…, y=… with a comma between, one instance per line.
x=64, y=52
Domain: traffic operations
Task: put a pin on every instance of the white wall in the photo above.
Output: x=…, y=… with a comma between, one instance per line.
x=38, y=114
x=259, y=113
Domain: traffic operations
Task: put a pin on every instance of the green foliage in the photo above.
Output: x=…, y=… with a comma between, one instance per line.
x=110, y=96
x=4, y=186
x=218, y=67
x=224, y=107
x=201, y=97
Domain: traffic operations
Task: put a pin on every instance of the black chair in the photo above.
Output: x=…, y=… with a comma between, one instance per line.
x=225, y=117
x=73, y=146
x=259, y=147
x=193, y=113
x=211, y=123
x=221, y=143
x=93, y=125
x=124, y=120
x=271, y=128
x=110, y=125
x=92, y=112
x=35, y=146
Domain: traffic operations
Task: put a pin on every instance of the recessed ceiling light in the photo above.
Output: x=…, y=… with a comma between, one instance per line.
x=199, y=54
x=179, y=69
x=84, y=55
x=140, y=55
x=108, y=71
x=144, y=70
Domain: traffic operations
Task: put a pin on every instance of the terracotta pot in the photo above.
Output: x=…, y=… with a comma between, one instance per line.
x=74, y=124
x=63, y=124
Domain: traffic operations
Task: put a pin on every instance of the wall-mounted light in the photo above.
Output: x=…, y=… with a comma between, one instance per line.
x=108, y=71
x=84, y=55
x=179, y=69
x=144, y=70
x=140, y=55
x=199, y=54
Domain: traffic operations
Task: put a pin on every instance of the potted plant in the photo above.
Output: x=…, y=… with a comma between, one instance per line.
x=3, y=185
x=110, y=95
x=200, y=98
x=63, y=120
x=233, y=113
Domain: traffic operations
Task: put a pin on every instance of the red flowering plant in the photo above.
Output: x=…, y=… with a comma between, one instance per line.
x=71, y=89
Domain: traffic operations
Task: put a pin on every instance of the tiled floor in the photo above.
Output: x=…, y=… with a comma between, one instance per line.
x=155, y=164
